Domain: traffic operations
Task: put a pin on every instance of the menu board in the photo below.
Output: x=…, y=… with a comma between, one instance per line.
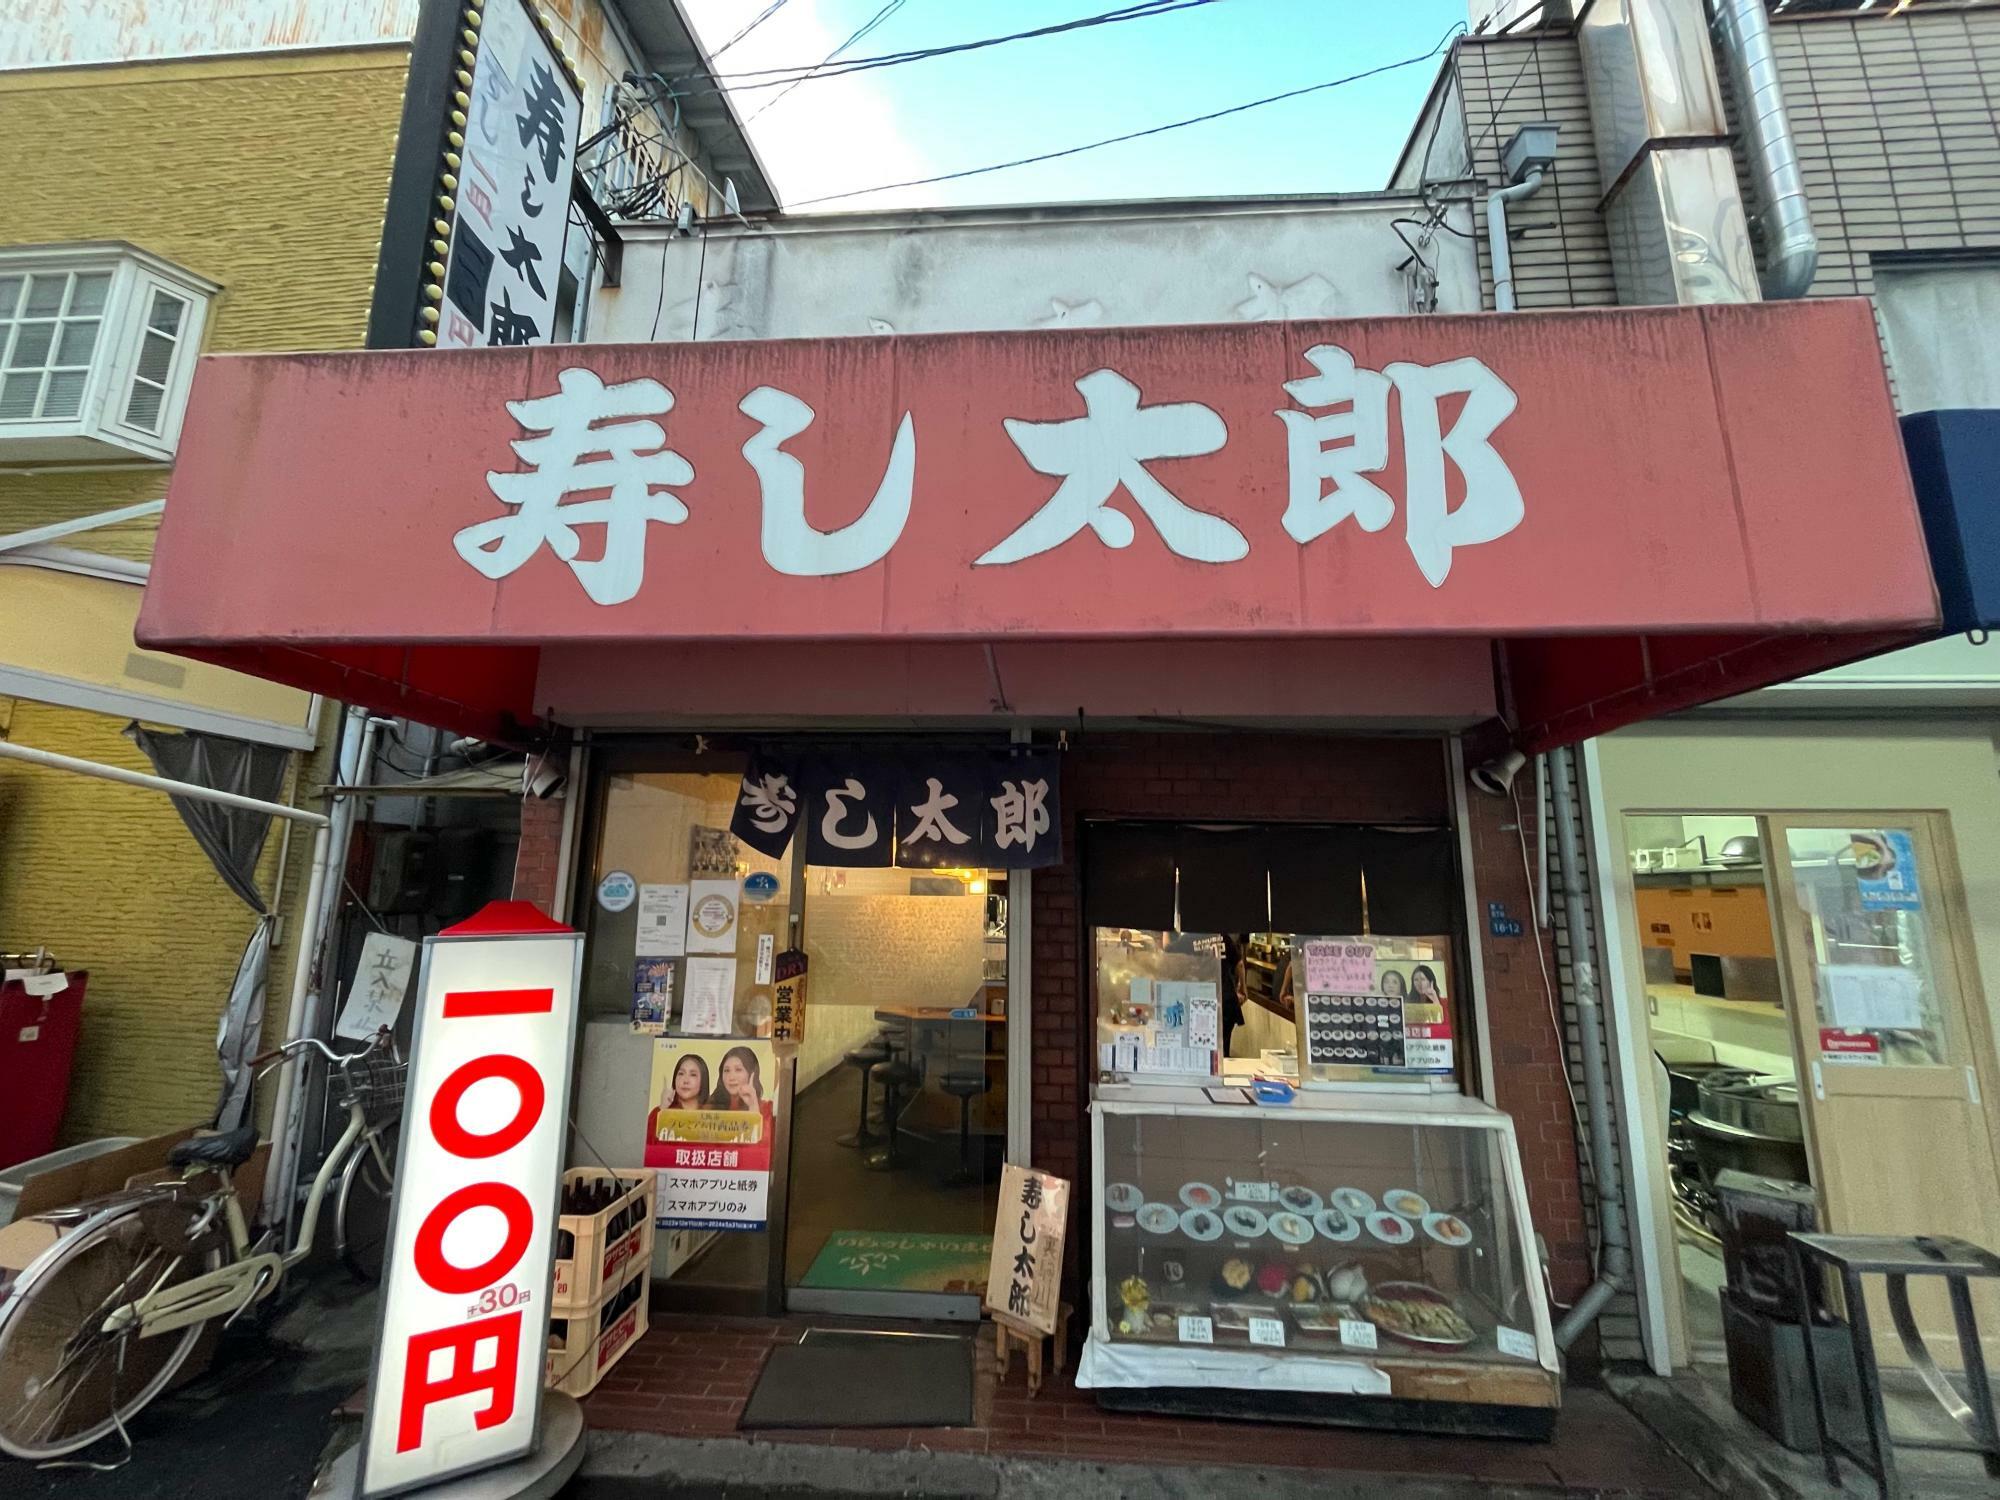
x=1354, y=1031
x=1366, y=1007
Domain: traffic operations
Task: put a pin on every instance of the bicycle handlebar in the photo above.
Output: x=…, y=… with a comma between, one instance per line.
x=341, y=1060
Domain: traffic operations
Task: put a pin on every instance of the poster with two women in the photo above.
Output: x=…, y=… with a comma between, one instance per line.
x=709, y=1131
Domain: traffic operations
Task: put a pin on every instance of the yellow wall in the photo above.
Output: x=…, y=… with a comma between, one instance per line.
x=1791, y=767
x=268, y=175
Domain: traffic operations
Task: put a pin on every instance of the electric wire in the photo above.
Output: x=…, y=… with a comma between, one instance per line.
x=755, y=21
x=866, y=26
x=785, y=79
x=751, y=78
x=1202, y=119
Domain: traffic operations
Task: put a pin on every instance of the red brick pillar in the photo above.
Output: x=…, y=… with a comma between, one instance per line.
x=1529, y=1053
x=537, y=864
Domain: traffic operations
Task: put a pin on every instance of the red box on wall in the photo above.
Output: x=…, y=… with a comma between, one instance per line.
x=37, y=1048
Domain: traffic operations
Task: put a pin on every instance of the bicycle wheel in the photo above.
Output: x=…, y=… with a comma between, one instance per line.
x=361, y=1214
x=64, y=1383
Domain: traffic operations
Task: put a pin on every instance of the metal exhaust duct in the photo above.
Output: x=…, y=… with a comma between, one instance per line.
x=1743, y=35
x=1672, y=207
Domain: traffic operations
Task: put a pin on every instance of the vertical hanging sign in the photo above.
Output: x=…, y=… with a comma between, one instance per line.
x=457, y=1382
x=505, y=186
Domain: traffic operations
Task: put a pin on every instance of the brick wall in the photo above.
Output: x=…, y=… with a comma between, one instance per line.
x=537, y=863
x=1529, y=1054
x=1277, y=778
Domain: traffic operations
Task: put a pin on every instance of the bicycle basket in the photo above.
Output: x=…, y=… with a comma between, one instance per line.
x=376, y=1084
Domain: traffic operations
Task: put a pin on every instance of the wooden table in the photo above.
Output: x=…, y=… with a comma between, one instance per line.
x=933, y=1013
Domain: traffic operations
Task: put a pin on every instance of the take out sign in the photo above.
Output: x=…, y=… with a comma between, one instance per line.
x=457, y=1379
x=1684, y=468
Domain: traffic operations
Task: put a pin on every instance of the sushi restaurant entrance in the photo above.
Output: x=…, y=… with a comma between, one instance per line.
x=839, y=1154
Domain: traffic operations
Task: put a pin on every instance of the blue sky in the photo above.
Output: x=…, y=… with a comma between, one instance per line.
x=944, y=114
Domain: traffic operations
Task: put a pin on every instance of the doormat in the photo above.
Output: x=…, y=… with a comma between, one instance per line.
x=867, y=1260
x=865, y=1380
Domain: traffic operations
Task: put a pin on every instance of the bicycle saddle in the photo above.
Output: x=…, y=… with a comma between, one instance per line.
x=232, y=1148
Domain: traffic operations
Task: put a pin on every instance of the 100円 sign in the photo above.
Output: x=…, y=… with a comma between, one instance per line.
x=457, y=1382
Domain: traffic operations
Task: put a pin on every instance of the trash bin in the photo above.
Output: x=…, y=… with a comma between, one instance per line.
x=40, y=1015
x=1756, y=1214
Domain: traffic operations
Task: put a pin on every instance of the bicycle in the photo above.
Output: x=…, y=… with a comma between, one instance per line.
x=97, y=1325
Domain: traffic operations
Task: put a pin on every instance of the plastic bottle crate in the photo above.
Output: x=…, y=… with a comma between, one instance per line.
x=588, y=1341
x=600, y=1258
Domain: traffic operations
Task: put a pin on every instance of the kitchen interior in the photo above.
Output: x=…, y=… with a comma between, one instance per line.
x=1723, y=1042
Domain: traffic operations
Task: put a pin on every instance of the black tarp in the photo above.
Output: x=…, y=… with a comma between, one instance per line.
x=231, y=837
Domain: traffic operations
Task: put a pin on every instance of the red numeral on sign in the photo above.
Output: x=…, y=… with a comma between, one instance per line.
x=460, y=1378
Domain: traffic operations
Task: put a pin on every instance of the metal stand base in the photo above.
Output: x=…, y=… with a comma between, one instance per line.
x=557, y=1457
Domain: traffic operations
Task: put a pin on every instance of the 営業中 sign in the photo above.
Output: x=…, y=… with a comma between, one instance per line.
x=457, y=1378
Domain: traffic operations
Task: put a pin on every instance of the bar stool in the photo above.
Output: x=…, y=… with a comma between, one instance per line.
x=867, y=1057
x=897, y=1075
x=965, y=1087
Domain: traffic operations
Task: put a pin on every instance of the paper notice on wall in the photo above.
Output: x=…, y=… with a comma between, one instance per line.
x=1340, y=968
x=1837, y=1046
x=1170, y=1059
x=1142, y=991
x=652, y=995
x=767, y=949
x=44, y=985
x=1874, y=997
x=381, y=981
x=709, y=1007
x=661, y=931
x=711, y=916
x=1204, y=1012
x=1125, y=1050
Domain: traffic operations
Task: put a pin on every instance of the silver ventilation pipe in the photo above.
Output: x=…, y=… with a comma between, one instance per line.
x=1743, y=36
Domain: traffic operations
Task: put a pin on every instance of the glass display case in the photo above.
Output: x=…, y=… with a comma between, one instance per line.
x=1313, y=1253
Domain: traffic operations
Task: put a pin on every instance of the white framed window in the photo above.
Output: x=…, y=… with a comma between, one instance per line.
x=97, y=349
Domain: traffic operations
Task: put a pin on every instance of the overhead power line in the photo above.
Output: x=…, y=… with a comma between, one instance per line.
x=856, y=35
x=755, y=21
x=1218, y=114
x=767, y=78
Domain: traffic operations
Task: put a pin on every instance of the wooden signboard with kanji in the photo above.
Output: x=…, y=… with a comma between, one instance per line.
x=1024, y=1280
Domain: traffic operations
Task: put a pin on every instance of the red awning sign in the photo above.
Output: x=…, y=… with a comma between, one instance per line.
x=1732, y=471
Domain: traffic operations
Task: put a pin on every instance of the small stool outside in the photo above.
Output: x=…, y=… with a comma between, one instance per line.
x=1898, y=1258
x=1010, y=1333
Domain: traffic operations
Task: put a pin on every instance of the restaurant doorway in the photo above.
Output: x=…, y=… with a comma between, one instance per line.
x=900, y=1102
x=1807, y=982
x=1719, y=1037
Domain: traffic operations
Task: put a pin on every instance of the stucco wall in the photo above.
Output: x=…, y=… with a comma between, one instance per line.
x=1099, y=266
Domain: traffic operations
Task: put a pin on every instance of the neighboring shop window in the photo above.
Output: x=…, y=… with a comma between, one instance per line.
x=1212, y=942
